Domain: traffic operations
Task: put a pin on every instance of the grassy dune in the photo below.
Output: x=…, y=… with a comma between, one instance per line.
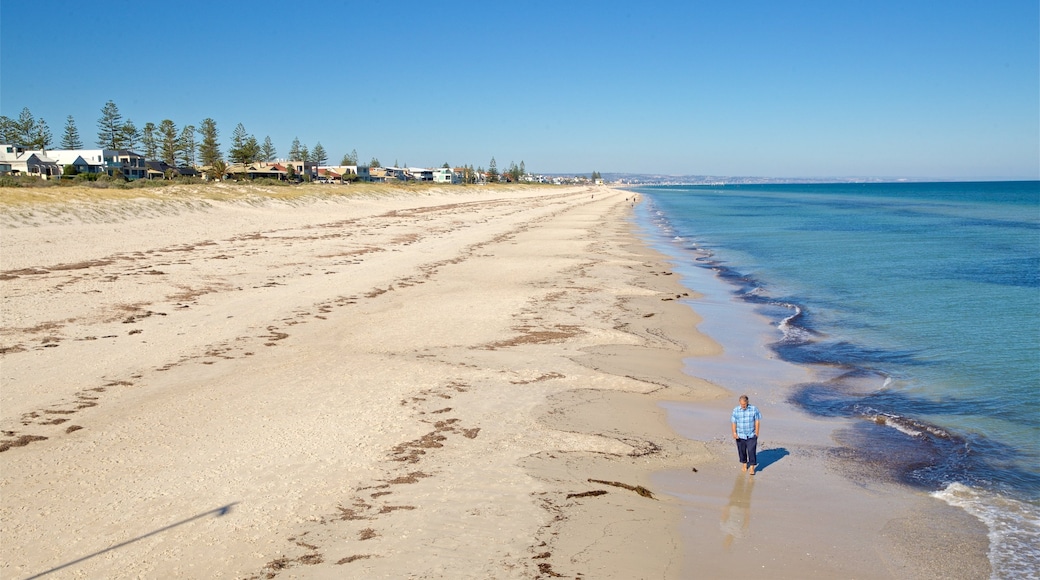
x=34, y=206
x=231, y=191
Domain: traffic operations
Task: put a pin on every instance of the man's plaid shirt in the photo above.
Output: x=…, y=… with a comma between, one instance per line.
x=745, y=421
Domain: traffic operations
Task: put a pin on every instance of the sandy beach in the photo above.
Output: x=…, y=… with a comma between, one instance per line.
x=442, y=382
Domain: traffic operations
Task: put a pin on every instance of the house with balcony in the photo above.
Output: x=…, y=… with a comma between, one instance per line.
x=122, y=162
x=301, y=167
x=257, y=170
x=349, y=172
x=395, y=173
x=420, y=173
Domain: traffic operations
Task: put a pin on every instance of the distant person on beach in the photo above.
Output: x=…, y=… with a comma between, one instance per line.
x=745, y=421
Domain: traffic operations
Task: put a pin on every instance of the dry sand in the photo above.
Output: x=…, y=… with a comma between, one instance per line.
x=419, y=383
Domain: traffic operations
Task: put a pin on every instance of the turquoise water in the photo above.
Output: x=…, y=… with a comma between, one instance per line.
x=921, y=301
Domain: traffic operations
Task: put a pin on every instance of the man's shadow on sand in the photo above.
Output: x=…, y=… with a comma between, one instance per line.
x=767, y=457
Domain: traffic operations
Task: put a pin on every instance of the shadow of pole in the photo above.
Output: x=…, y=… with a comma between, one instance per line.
x=221, y=511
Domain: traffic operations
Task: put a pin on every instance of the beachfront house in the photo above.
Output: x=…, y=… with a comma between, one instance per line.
x=363, y=172
x=420, y=173
x=163, y=170
x=301, y=168
x=257, y=170
x=329, y=175
x=395, y=173
x=445, y=175
x=20, y=160
x=114, y=162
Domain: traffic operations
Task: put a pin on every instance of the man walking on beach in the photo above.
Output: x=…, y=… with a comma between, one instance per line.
x=745, y=421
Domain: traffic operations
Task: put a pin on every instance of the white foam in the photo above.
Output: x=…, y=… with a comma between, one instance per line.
x=895, y=422
x=793, y=332
x=1014, y=529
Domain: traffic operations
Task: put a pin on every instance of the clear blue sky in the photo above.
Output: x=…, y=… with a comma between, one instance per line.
x=875, y=88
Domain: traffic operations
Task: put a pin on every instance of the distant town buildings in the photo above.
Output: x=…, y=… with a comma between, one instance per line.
x=122, y=163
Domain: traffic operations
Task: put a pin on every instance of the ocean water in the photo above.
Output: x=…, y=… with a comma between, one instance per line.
x=916, y=307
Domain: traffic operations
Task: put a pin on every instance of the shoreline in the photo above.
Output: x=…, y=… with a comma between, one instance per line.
x=467, y=383
x=807, y=473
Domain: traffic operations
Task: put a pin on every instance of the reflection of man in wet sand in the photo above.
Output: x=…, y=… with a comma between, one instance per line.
x=736, y=516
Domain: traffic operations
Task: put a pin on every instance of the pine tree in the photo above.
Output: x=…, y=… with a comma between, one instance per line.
x=209, y=148
x=252, y=149
x=29, y=132
x=130, y=135
x=168, y=142
x=148, y=143
x=267, y=151
x=374, y=163
x=8, y=130
x=350, y=158
x=244, y=147
x=70, y=139
x=319, y=156
x=492, y=171
x=26, y=126
x=110, y=127
x=186, y=147
x=41, y=136
x=238, y=142
x=294, y=150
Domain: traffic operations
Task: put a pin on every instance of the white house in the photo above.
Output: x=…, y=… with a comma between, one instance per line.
x=131, y=165
x=445, y=175
x=21, y=160
x=421, y=173
x=362, y=172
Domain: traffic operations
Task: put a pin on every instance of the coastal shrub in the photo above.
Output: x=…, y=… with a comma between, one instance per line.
x=146, y=183
x=269, y=181
x=27, y=181
x=10, y=181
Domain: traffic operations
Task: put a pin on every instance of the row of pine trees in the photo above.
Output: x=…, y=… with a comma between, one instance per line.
x=189, y=146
